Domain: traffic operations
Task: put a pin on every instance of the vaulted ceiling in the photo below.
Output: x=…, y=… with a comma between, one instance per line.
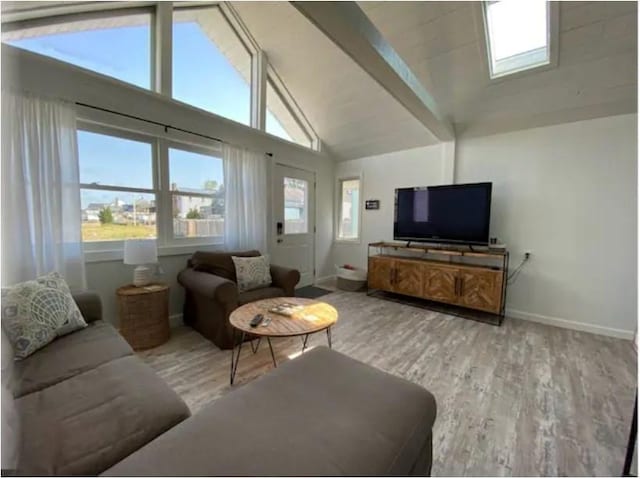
x=353, y=115
x=442, y=43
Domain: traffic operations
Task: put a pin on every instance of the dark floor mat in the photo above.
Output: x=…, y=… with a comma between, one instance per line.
x=311, y=292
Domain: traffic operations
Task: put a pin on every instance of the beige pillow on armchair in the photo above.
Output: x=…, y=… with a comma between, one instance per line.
x=252, y=272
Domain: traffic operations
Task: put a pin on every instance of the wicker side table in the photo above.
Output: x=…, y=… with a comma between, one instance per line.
x=144, y=315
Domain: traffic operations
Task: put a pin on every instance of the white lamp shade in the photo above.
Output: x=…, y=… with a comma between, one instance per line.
x=140, y=251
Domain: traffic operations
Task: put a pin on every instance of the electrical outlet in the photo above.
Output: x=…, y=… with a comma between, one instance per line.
x=527, y=254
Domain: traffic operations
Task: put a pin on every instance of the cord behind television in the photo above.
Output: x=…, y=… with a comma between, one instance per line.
x=516, y=272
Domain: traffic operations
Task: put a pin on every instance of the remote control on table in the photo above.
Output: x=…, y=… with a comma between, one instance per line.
x=257, y=319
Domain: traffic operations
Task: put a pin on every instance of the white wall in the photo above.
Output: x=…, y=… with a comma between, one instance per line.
x=568, y=193
x=381, y=175
x=27, y=71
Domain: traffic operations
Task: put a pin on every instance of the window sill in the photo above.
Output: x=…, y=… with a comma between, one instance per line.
x=347, y=241
x=118, y=254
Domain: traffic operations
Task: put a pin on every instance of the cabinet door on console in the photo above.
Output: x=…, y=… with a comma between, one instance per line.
x=440, y=284
x=481, y=289
x=380, y=273
x=408, y=277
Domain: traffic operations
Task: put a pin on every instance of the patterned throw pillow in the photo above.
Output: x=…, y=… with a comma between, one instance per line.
x=252, y=273
x=35, y=312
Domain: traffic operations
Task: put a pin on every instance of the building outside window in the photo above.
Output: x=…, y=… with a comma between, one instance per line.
x=197, y=194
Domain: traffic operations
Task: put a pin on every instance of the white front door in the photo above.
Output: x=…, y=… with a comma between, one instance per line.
x=293, y=230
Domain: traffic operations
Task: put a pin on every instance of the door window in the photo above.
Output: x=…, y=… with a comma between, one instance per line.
x=296, y=206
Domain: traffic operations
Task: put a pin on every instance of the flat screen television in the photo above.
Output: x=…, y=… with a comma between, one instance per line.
x=443, y=214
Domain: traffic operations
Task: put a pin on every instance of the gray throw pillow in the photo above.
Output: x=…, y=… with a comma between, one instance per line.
x=252, y=273
x=35, y=312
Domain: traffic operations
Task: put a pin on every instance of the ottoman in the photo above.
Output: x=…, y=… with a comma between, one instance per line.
x=322, y=414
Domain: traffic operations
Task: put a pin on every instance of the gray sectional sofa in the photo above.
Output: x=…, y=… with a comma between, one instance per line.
x=85, y=401
x=87, y=405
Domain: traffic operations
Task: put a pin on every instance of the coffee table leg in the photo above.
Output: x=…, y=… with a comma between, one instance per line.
x=329, y=336
x=273, y=356
x=235, y=359
x=304, y=342
x=255, y=350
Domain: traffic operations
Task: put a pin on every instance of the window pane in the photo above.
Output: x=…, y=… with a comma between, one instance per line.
x=518, y=35
x=117, y=215
x=280, y=122
x=517, y=27
x=350, y=209
x=112, y=161
x=195, y=216
x=118, y=46
x=296, y=215
x=211, y=66
x=194, y=172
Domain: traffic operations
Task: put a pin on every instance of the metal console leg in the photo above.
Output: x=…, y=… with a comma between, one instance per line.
x=235, y=359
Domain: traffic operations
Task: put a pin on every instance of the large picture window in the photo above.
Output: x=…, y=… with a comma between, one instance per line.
x=211, y=65
x=117, y=196
x=121, y=199
x=117, y=44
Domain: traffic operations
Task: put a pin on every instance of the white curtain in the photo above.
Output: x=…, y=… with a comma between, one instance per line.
x=41, y=222
x=245, y=199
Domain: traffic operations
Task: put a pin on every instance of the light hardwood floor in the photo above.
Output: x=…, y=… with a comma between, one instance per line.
x=520, y=399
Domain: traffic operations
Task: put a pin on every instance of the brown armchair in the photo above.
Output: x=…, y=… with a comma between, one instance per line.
x=211, y=292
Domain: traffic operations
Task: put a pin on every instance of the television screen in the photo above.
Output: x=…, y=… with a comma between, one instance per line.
x=443, y=214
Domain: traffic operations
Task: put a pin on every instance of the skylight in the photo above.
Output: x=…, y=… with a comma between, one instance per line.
x=517, y=35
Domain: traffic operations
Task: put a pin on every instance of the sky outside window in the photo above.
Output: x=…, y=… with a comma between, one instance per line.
x=122, y=52
x=202, y=75
x=112, y=161
x=194, y=172
x=518, y=35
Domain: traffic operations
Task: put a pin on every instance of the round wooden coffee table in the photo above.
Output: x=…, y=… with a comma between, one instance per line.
x=312, y=317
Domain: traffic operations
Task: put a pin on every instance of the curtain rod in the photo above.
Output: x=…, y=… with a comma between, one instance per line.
x=166, y=127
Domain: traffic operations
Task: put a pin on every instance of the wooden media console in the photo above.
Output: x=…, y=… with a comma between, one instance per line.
x=469, y=278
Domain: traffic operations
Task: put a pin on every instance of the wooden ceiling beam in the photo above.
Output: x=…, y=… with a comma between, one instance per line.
x=350, y=29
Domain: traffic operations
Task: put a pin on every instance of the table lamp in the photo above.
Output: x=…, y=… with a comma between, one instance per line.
x=140, y=252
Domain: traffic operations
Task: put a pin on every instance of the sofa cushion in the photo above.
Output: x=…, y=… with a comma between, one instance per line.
x=35, y=312
x=87, y=423
x=218, y=263
x=69, y=355
x=321, y=414
x=262, y=293
x=252, y=273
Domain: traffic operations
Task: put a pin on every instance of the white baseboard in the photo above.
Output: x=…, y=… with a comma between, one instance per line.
x=568, y=324
x=175, y=320
x=324, y=278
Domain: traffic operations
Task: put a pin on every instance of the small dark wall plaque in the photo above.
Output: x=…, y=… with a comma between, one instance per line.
x=372, y=204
